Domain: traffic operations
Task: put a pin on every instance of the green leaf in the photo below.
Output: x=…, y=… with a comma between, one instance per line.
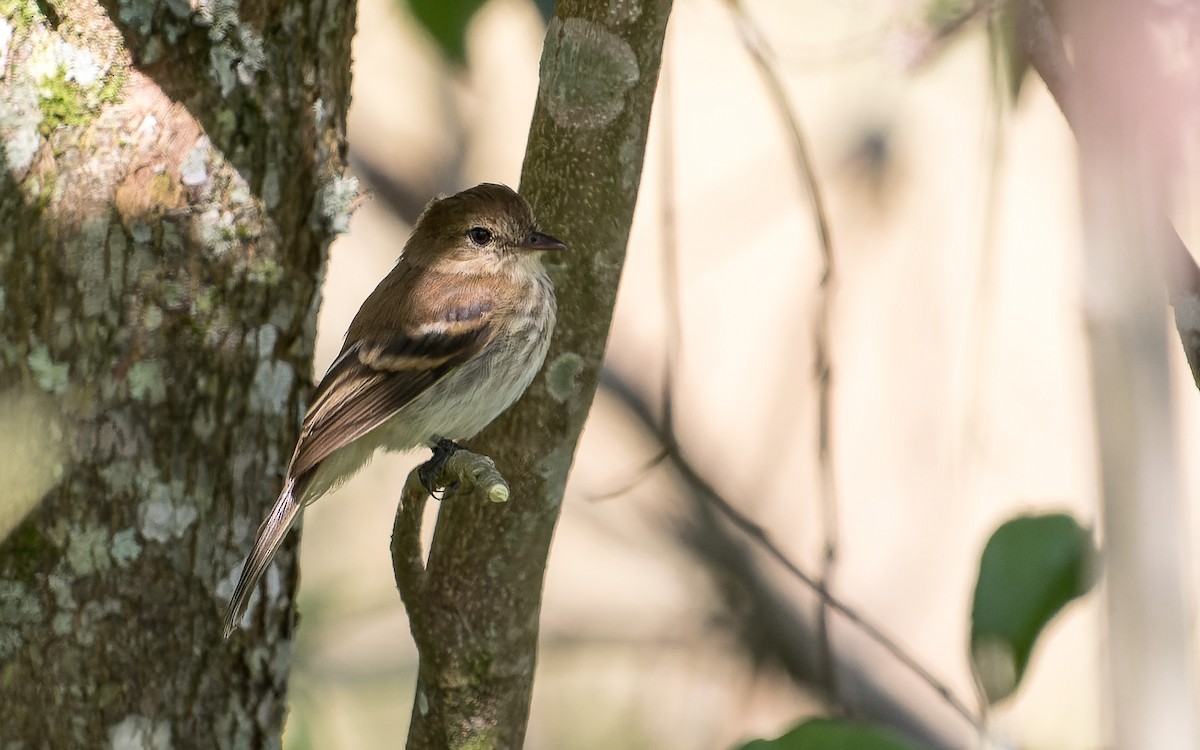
x=446, y=21
x=943, y=15
x=1031, y=567
x=1010, y=65
x=833, y=734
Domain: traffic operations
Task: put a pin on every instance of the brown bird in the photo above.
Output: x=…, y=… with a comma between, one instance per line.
x=450, y=338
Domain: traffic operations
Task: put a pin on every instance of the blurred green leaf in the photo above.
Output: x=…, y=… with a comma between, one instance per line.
x=546, y=7
x=833, y=734
x=446, y=21
x=1010, y=66
x=1031, y=567
x=944, y=14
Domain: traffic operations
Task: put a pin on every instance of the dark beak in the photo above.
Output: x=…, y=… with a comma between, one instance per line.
x=539, y=241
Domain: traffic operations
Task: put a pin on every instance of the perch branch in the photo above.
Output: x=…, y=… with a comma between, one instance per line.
x=467, y=474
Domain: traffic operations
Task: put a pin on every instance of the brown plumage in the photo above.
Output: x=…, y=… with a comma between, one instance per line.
x=446, y=342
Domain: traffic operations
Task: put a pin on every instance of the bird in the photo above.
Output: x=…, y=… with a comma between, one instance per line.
x=447, y=341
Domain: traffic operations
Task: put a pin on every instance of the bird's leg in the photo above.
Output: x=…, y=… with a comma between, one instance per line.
x=427, y=472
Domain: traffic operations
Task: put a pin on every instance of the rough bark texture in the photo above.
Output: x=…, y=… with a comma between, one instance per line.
x=170, y=178
x=474, y=607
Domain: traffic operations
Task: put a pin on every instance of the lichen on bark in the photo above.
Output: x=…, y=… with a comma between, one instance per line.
x=170, y=178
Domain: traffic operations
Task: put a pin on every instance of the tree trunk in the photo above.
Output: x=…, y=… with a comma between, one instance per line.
x=474, y=607
x=171, y=179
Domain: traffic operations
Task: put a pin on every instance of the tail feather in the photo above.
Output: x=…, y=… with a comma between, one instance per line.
x=266, y=543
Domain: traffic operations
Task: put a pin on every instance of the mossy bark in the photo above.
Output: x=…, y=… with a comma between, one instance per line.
x=170, y=182
x=474, y=606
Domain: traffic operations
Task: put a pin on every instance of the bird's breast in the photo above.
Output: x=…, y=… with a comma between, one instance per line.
x=464, y=402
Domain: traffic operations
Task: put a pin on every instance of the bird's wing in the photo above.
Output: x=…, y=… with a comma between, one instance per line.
x=425, y=336
x=372, y=380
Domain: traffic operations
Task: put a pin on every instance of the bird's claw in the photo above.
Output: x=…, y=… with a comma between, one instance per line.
x=427, y=472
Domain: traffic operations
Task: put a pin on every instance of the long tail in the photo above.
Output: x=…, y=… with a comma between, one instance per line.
x=270, y=535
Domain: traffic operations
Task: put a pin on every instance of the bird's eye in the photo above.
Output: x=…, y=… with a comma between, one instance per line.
x=480, y=236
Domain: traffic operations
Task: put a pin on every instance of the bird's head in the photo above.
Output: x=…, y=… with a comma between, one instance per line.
x=485, y=229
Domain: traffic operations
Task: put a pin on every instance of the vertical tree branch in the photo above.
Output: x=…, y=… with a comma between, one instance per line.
x=1115, y=98
x=1148, y=618
x=1043, y=44
x=476, y=620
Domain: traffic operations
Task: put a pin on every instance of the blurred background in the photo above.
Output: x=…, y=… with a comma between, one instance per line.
x=959, y=393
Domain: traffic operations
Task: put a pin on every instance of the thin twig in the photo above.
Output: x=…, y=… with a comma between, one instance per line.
x=468, y=474
x=408, y=564
x=759, y=536
x=673, y=323
x=761, y=54
x=949, y=29
x=639, y=475
x=979, y=317
x=764, y=541
x=1043, y=46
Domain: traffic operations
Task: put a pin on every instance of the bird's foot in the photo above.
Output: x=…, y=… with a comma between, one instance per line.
x=427, y=472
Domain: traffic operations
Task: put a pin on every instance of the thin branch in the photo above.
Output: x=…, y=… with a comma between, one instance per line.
x=946, y=31
x=408, y=564
x=639, y=476
x=1043, y=46
x=673, y=335
x=978, y=322
x=764, y=541
x=759, y=536
x=468, y=476
x=760, y=52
